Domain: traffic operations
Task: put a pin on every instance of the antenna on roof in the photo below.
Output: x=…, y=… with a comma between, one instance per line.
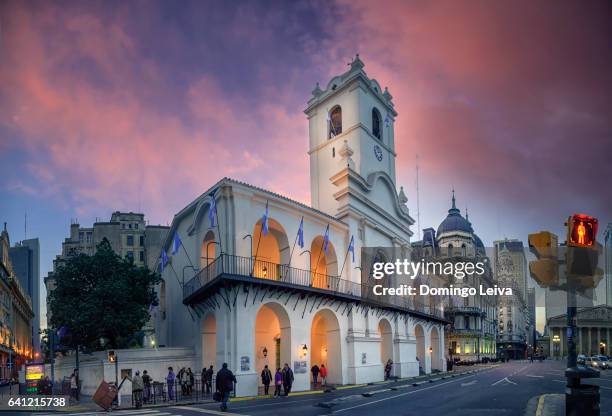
x=25, y=225
x=418, y=198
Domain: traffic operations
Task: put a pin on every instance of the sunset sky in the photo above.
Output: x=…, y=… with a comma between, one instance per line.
x=133, y=105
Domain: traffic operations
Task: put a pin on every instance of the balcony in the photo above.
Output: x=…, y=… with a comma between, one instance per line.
x=468, y=310
x=227, y=268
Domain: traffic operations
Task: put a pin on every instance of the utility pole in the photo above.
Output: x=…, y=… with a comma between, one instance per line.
x=418, y=198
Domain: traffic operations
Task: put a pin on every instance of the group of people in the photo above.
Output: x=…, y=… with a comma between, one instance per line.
x=141, y=388
x=283, y=377
x=316, y=372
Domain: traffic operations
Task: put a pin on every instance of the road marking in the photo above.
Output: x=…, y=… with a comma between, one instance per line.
x=396, y=396
x=147, y=412
x=534, y=376
x=207, y=411
x=504, y=379
x=469, y=384
x=273, y=402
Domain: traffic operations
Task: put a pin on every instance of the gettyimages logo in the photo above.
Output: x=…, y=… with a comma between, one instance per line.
x=387, y=273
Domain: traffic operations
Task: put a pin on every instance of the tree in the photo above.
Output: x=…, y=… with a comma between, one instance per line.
x=101, y=297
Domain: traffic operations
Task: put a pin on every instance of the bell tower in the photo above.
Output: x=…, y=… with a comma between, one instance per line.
x=351, y=126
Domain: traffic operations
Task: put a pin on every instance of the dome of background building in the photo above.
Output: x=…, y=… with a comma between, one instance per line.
x=454, y=221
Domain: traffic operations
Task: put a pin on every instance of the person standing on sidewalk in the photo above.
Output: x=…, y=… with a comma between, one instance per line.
x=323, y=373
x=146, y=380
x=266, y=378
x=170, y=378
x=315, y=374
x=74, y=385
x=287, y=379
x=209, y=376
x=278, y=382
x=225, y=384
x=137, y=388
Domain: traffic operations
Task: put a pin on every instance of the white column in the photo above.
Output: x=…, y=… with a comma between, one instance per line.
x=588, y=351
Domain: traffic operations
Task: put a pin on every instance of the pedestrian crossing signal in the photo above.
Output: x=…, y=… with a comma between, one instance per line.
x=581, y=230
x=112, y=357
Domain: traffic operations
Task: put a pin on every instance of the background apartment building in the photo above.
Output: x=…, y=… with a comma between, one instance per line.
x=129, y=235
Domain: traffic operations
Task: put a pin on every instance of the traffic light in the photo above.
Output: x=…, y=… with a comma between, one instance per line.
x=581, y=230
x=545, y=270
x=112, y=357
x=583, y=250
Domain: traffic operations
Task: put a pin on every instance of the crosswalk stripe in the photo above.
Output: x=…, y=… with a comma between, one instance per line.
x=207, y=411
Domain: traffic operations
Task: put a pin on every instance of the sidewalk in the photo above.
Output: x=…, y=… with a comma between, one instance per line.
x=87, y=405
x=546, y=405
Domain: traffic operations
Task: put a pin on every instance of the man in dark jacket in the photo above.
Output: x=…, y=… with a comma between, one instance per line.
x=315, y=374
x=208, y=375
x=266, y=378
x=225, y=384
x=287, y=379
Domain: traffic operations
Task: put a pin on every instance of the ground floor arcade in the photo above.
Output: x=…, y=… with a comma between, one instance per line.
x=250, y=327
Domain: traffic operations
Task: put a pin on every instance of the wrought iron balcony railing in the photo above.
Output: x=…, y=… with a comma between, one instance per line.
x=261, y=271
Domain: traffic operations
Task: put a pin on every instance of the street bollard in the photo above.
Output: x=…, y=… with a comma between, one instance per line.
x=582, y=400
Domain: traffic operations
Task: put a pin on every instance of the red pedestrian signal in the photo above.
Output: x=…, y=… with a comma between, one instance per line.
x=581, y=230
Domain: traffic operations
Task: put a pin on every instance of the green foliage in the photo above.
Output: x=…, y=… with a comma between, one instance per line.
x=101, y=296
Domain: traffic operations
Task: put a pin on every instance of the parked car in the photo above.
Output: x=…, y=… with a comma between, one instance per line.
x=581, y=359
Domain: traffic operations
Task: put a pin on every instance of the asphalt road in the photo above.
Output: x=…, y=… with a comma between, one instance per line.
x=502, y=390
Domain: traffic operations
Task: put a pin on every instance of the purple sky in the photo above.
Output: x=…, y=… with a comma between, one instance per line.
x=143, y=105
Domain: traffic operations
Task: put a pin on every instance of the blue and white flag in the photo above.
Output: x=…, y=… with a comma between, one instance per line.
x=326, y=240
x=300, y=234
x=264, y=221
x=176, y=243
x=387, y=120
x=61, y=333
x=163, y=261
x=212, y=212
x=351, y=248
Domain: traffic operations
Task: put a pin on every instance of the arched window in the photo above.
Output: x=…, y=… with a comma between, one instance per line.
x=463, y=250
x=335, y=121
x=376, y=124
x=450, y=250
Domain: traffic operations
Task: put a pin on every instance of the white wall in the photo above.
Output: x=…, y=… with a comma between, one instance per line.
x=94, y=368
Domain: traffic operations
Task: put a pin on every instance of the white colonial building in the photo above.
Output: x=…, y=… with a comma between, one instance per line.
x=251, y=298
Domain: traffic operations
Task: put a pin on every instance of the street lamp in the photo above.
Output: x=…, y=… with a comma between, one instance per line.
x=556, y=341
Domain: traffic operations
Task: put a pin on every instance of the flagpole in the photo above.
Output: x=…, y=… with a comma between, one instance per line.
x=185, y=250
x=294, y=242
x=345, y=257
x=259, y=239
x=321, y=250
x=218, y=228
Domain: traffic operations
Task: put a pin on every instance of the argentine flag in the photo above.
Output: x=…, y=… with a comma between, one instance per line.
x=176, y=243
x=212, y=212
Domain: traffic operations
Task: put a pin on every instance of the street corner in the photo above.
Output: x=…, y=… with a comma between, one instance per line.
x=546, y=405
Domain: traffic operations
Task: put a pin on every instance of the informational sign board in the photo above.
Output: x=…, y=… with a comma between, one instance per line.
x=33, y=373
x=300, y=367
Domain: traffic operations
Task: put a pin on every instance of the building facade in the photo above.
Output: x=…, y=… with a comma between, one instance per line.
x=593, y=335
x=130, y=237
x=25, y=258
x=607, y=252
x=513, y=314
x=16, y=314
x=277, y=283
x=471, y=336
